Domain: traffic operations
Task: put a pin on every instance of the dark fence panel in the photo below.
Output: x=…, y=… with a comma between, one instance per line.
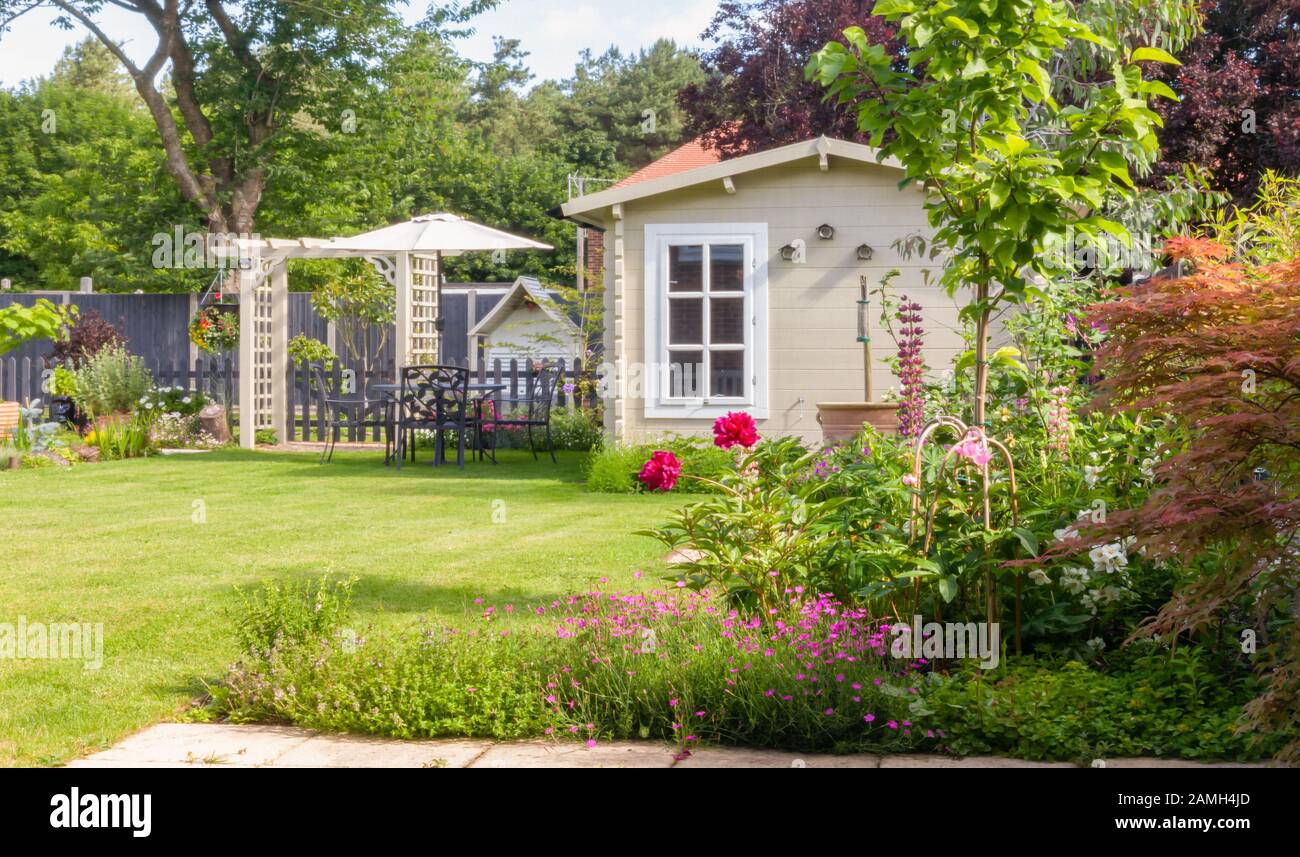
x=305, y=416
x=23, y=379
x=157, y=326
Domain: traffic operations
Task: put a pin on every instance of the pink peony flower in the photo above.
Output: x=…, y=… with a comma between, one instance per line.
x=737, y=427
x=660, y=473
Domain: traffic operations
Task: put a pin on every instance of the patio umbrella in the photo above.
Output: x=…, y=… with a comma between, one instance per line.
x=440, y=234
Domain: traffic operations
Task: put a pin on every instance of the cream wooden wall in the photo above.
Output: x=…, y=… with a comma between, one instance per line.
x=812, y=307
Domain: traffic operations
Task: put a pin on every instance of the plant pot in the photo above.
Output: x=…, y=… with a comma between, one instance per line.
x=63, y=410
x=842, y=420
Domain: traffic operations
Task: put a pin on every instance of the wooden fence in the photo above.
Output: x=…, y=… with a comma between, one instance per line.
x=306, y=413
x=25, y=379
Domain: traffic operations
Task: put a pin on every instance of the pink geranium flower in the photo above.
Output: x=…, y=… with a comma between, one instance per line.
x=737, y=427
x=661, y=472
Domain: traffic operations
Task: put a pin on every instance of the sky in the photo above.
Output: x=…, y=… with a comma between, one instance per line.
x=554, y=32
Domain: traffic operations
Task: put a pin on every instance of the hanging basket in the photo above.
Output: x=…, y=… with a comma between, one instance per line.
x=215, y=329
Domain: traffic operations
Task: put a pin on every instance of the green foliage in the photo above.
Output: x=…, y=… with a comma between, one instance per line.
x=113, y=381
x=122, y=435
x=575, y=429
x=42, y=320
x=285, y=616
x=505, y=678
x=63, y=382
x=83, y=187
x=613, y=468
x=1011, y=171
x=304, y=349
x=1152, y=702
x=765, y=532
x=173, y=400
x=356, y=303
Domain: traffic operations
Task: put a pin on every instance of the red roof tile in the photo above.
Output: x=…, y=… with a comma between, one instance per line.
x=688, y=157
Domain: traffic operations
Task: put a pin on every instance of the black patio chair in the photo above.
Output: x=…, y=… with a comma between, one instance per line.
x=436, y=399
x=340, y=413
x=534, y=409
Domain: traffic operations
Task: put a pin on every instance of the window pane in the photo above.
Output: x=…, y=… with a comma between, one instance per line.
x=685, y=371
x=686, y=268
x=726, y=267
x=727, y=321
x=686, y=321
x=727, y=373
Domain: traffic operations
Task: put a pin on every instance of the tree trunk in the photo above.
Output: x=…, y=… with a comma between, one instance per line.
x=981, y=356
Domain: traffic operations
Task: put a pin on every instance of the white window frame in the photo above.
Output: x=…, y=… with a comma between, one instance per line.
x=658, y=238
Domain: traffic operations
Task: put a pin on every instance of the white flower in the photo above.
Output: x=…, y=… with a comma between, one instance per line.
x=186, y=400
x=1148, y=469
x=1108, y=558
x=1096, y=643
x=1074, y=579
x=1090, y=474
x=1040, y=577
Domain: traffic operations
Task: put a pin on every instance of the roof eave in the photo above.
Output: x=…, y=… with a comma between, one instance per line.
x=817, y=147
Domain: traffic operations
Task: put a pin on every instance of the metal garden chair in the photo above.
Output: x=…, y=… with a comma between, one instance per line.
x=340, y=413
x=436, y=399
x=534, y=409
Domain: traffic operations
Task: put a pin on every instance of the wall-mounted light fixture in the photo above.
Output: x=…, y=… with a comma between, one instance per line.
x=825, y=232
x=865, y=252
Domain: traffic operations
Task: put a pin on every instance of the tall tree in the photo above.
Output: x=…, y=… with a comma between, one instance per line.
x=1239, y=85
x=755, y=95
x=83, y=187
x=246, y=81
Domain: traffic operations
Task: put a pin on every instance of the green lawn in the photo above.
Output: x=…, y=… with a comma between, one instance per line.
x=117, y=543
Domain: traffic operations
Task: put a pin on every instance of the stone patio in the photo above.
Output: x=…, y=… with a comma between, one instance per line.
x=198, y=745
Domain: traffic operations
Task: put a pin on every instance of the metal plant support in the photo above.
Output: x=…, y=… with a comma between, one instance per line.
x=978, y=434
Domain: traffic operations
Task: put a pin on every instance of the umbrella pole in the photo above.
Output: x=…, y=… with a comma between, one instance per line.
x=438, y=321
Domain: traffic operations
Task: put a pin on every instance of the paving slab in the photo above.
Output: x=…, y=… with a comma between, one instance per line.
x=928, y=760
x=216, y=745
x=203, y=744
x=741, y=757
x=1177, y=763
x=352, y=751
x=539, y=754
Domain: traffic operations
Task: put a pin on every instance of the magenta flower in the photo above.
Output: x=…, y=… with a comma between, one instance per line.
x=736, y=428
x=661, y=472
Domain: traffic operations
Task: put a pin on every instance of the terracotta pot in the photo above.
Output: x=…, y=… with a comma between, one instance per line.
x=842, y=420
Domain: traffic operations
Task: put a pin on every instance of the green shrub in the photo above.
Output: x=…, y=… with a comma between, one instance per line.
x=1149, y=703
x=575, y=429
x=291, y=615
x=613, y=468
x=112, y=381
x=608, y=666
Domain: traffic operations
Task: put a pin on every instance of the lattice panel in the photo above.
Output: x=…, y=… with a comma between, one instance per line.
x=263, y=377
x=424, y=310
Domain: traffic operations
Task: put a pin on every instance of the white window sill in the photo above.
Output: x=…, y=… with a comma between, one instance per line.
x=694, y=411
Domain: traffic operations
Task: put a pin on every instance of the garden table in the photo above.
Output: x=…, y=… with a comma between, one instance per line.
x=479, y=391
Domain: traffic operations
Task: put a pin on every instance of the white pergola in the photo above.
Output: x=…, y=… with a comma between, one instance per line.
x=407, y=255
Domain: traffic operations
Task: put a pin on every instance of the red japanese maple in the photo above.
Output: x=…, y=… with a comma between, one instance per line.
x=1219, y=352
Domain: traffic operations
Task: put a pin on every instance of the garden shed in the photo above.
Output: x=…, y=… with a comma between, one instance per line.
x=734, y=284
x=528, y=322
